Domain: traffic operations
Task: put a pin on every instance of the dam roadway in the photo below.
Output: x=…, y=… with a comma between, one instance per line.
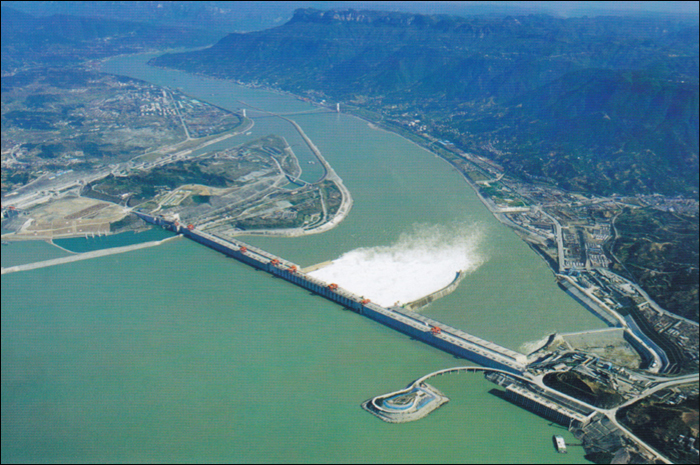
x=432, y=332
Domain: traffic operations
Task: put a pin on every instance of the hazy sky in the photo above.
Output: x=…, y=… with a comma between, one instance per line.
x=559, y=8
x=575, y=8
x=566, y=8
x=242, y=16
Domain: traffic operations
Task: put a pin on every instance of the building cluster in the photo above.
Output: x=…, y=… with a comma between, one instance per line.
x=570, y=232
x=675, y=329
x=680, y=205
x=156, y=108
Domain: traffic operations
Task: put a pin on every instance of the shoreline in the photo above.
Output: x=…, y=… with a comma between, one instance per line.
x=12, y=237
x=491, y=208
x=498, y=213
x=329, y=175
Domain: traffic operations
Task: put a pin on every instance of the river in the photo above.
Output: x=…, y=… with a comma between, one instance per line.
x=178, y=353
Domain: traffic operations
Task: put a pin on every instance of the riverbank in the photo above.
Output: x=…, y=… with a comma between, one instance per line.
x=329, y=175
x=497, y=212
x=187, y=337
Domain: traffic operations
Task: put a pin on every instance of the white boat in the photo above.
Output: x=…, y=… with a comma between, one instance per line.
x=559, y=444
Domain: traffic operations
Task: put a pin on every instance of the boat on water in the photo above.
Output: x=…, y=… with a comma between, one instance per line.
x=559, y=444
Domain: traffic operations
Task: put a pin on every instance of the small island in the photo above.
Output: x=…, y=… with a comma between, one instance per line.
x=409, y=404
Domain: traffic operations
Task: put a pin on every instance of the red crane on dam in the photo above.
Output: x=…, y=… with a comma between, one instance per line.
x=424, y=329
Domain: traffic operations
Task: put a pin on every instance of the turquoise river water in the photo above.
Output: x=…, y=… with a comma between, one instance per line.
x=176, y=353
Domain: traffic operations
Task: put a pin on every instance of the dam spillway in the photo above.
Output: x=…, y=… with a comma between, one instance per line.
x=432, y=332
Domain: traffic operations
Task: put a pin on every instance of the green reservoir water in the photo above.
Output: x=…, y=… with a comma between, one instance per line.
x=87, y=244
x=176, y=353
x=19, y=253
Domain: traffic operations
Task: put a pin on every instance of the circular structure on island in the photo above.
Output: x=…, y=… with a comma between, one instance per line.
x=409, y=404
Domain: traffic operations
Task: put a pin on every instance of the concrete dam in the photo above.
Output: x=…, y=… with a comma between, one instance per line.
x=432, y=332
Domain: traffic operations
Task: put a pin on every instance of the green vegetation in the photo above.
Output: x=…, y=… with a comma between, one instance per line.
x=332, y=196
x=58, y=40
x=477, y=176
x=602, y=131
x=144, y=185
x=201, y=198
x=518, y=90
x=239, y=188
x=662, y=423
x=128, y=223
x=501, y=196
x=659, y=250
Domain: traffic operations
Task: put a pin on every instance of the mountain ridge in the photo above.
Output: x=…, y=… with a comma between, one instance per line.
x=460, y=74
x=60, y=39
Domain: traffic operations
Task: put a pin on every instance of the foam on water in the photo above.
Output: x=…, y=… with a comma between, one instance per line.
x=419, y=263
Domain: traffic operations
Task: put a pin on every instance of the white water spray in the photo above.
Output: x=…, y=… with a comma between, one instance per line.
x=421, y=262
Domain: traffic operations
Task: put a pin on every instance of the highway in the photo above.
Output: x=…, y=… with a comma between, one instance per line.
x=612, y=413
x=560, y=239
x=609, y=413
x=179, y=113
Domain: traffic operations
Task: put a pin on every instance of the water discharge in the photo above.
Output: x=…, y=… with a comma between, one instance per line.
x=421, y=262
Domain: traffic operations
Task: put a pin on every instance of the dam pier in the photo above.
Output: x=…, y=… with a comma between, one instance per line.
x=427, y=330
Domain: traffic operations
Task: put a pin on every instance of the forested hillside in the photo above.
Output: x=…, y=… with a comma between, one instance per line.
x=593, y=104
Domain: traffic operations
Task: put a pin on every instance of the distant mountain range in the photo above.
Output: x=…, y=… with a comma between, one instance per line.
x=30, y=41
x=606, y=104
x=220, y=16
x=226, y=16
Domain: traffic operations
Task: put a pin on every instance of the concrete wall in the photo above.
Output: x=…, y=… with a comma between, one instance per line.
x=420, y=331
x=592, y=307
x=538, y=408
x=641, y=339
x=423, y=301
x=598, y=338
